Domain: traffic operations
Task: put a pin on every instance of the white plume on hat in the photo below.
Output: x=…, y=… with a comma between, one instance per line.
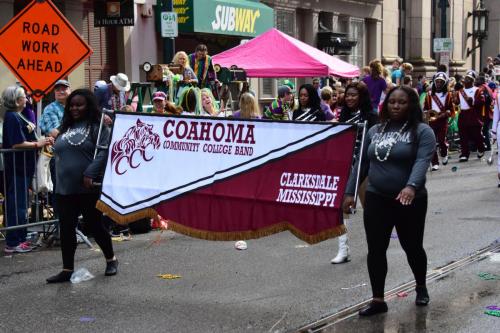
x=120, y=81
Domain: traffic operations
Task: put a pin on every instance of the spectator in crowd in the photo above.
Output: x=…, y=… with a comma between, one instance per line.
x=376, y=84
x=396, y=156
x=53, y=113
x=76, y=172
x=316, y=85
x=365, y=71
x=190, y=102
x=495, y=127
x=280, y=109
x=396, y=74
x=249, y=108
x=326, y=101
x=407, y=69
x=420, y=84
x=113, y=96
x=50, y=122
x=159, y=102
x=18, y=132
x=188, y=75
x=201, y=63
x=309, y=105
x=209, y=104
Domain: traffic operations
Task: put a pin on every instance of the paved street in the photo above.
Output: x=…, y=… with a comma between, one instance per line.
x=279, y=284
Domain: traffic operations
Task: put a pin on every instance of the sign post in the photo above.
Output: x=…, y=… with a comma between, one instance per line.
x=444, y=46
x=40, y=46
x=169, y=26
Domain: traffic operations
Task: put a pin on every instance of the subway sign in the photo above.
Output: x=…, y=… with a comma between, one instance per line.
x=238, y=18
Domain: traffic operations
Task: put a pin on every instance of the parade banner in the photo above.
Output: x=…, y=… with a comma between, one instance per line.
x=229, y=179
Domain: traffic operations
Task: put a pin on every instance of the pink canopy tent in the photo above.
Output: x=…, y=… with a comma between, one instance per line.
x=275, y=54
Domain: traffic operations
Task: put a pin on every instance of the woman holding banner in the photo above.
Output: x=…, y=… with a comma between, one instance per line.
x=396, y=155
x=76, y=171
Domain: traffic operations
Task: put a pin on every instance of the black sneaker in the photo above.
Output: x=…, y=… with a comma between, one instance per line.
x=111, y=268
x=373, y=308
x=63, y=276
x=422, y=296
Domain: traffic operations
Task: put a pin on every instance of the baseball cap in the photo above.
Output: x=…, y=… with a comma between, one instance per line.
x=62, y=83
x=159, y=96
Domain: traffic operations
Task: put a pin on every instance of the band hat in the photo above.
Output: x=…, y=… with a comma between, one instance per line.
x=62, y=83
x=120, y=81
x=471, y=74
x=159, y=96
x=441, y=76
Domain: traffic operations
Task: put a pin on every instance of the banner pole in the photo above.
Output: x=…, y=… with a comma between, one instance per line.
x=38, y=117
x=365, y=124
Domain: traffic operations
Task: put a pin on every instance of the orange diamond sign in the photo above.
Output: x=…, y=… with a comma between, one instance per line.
x=40, y=46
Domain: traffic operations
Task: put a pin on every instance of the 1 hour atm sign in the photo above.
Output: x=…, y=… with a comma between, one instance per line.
x=40, y=47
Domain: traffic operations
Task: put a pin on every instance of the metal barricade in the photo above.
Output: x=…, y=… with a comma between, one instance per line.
x=22, y=207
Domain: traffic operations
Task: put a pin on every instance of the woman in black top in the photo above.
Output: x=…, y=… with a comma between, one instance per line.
x=309, y=105
x=357, y=108
x=76, y=170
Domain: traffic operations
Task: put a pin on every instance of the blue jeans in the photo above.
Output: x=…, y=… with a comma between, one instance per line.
x=16, y=205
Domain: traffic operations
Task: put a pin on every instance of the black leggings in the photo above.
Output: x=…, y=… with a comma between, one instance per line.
x=381, y=214
x=70, y=207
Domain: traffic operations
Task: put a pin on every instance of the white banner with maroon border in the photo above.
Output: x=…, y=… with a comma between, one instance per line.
x=229, y=179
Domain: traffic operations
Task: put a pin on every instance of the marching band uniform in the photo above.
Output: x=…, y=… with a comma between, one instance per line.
x=441, y=103
x=469, y=120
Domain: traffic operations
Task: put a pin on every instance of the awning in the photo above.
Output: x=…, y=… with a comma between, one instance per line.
x=225, y=17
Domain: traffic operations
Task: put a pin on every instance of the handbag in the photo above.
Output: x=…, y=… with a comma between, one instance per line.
x=42, y=182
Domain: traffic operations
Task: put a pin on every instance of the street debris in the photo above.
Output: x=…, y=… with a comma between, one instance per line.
x=394, y=235
x=488, y=276
x=356, y=286
x=493, y=307
x=81, y=275
x=495, y=313
x=87, y=319
x=240, y=245
x=495, y=257
x=169, y=276
x=300, y=246
x=454, y=169
x=402, y=294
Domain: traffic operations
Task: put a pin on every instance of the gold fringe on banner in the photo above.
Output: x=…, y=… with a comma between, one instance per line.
x=253, y=234
x=223, y=236
x=128, y=218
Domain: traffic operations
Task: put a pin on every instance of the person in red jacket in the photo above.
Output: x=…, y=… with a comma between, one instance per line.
x=471, y=102
x=438, y=106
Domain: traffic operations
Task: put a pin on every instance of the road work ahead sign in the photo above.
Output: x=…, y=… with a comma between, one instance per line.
x=40, y=47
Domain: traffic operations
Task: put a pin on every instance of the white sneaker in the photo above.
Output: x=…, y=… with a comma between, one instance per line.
x=445, y=160
x=480, y=155
x=463, y=159
x=435, y=167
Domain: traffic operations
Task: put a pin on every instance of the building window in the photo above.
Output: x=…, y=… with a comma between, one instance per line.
x=357, y=32
x=402, y=29
x=285, y=21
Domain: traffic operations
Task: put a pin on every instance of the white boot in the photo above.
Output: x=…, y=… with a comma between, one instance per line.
x=343, y=254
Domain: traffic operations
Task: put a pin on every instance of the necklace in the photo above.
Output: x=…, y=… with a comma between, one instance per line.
x=69, y=134
x=390, y=144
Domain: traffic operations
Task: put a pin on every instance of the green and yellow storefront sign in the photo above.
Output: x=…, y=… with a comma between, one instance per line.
x=226, y=17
